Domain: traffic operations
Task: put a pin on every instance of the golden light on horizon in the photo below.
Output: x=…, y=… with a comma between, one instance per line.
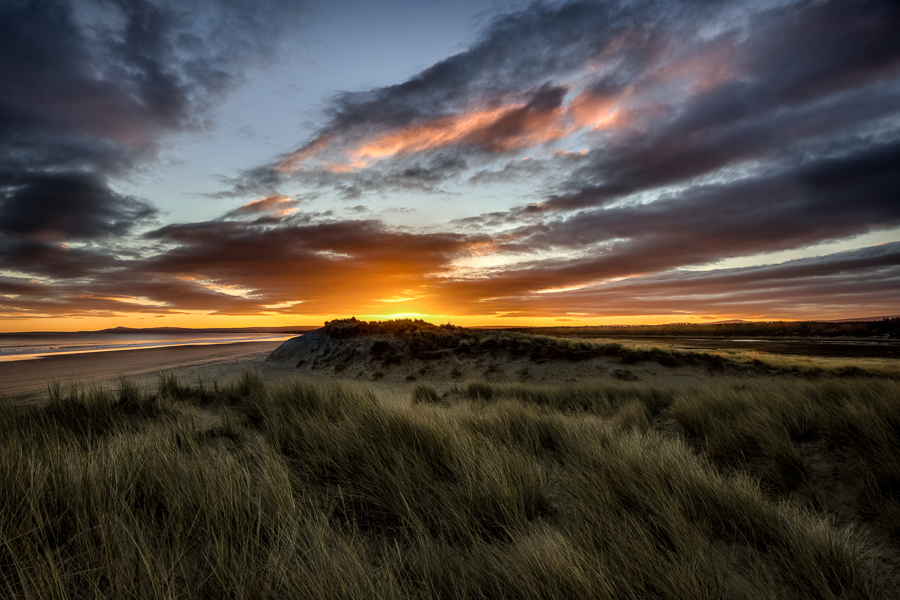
x=204, y=320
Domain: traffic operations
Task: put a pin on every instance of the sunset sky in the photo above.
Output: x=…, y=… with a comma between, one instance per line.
x=221, y=163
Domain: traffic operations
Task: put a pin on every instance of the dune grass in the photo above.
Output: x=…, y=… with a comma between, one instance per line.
x=398, y=340
x=757, y=430
x=504, y=491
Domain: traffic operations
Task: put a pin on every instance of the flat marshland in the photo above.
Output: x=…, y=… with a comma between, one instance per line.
x=758, y=482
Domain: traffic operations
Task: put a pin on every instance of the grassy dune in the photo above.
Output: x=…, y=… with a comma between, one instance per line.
x=601, y=490
x=351, y=346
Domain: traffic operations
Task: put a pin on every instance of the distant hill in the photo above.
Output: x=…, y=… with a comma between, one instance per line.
x=726, y=322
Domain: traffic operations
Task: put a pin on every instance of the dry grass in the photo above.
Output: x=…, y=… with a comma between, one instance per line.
x=757, y=429
x=503, y=491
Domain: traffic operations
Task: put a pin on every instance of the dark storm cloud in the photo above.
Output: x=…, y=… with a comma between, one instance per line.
x=878, y=264
x=54, y=260
x=89, y=90
x=40, y=212
x=828, y=198
x=821, y=199
x=69, y=206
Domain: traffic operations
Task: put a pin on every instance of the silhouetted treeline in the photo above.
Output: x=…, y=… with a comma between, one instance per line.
x=888, y=327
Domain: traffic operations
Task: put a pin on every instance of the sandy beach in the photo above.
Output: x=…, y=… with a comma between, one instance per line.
x=28, y=379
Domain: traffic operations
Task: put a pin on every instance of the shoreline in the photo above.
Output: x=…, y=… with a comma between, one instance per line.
x=28, y=379
x=46, y=355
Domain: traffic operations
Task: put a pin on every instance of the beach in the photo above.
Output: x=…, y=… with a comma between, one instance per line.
x=26, y=380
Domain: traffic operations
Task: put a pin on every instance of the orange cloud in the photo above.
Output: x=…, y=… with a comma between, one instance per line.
x=596, y=112
x=279, y=206
x=432, y=134
x=295, y=160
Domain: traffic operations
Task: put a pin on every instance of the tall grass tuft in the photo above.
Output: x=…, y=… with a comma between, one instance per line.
x=758, y=430
x=426, y=393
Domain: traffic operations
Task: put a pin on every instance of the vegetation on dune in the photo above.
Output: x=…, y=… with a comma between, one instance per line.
x=403, y=339
x=888, y=327
x=251, y=490
x=345, y=328
x=759, y=430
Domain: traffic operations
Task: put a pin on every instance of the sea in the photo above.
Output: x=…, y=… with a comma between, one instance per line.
x=31, y=346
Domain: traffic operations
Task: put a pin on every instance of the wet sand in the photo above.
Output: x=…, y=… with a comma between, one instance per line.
x=28, y=379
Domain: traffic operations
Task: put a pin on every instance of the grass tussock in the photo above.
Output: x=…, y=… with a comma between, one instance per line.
x=760, y=431
x=601, y=398
x=510, y=491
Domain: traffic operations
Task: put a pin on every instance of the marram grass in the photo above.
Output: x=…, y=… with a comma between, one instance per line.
x=311, y=491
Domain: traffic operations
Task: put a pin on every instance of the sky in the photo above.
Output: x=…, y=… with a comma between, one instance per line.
x=225, y=163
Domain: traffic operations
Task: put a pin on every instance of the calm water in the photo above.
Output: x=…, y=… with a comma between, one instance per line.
x=32, y=346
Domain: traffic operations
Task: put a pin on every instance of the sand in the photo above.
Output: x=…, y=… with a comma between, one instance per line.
x=26, y=380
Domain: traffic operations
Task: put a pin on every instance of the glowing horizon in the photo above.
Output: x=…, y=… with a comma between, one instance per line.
x=139, y=322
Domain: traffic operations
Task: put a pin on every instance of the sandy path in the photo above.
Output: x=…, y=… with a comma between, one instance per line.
x=26, y=378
